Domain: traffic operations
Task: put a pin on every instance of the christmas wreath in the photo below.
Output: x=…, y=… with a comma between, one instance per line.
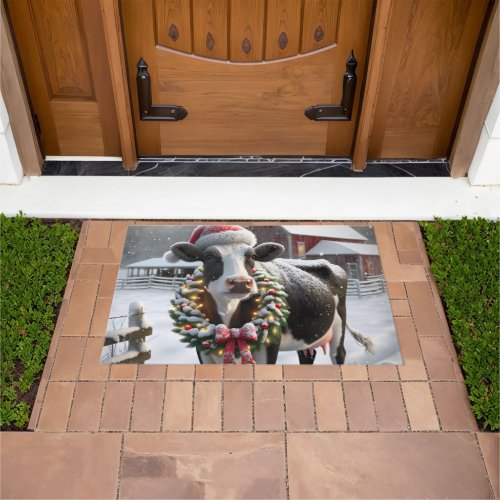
x=268, y=320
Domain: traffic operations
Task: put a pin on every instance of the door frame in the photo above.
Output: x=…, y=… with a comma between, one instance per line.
x=461, y=154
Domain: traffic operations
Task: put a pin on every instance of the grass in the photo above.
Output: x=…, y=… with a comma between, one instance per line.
x=464, y=258
x=34, y=260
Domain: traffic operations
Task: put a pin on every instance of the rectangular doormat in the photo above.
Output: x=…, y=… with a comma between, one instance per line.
x=284, y=294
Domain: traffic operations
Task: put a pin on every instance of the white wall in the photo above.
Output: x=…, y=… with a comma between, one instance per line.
x=485, y=168
x=11, y=171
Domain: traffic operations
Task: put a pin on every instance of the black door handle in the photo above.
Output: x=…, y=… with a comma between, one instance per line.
x=148, y=110
x=342, y=111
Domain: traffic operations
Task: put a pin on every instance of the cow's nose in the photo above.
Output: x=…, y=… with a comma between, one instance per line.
x=239, y=282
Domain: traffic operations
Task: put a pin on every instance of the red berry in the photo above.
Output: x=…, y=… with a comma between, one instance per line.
x=206, y=344
x=266, y=280
x=278, y=306
x=188, y=327
x=264, y=326
x=272, y=291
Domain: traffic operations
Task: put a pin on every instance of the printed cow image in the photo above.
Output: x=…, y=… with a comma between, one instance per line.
x=316, y=292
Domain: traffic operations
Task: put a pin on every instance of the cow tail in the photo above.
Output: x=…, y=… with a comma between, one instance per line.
x=366, y=342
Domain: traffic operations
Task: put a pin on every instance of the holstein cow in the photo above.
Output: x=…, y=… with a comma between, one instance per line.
x=316, y=292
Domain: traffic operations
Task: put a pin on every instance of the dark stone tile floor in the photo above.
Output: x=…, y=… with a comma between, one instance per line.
x=250, y=167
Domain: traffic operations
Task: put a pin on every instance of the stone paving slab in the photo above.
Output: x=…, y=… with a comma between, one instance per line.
x=50, y=465
x=386, y=465
x=420, y=405
x=203, y=466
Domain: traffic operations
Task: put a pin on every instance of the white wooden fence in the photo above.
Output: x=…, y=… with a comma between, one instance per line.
x=128, y=345
x=370, y=286
x=165, y=283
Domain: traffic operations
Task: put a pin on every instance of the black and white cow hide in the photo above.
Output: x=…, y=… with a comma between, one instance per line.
x=316, y=298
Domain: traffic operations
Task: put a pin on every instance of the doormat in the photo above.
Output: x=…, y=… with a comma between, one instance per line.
x=265, y=294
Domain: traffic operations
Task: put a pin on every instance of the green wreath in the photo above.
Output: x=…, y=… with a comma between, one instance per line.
x=270, y=315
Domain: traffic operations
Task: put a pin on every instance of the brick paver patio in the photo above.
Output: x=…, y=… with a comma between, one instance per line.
x=251, y=432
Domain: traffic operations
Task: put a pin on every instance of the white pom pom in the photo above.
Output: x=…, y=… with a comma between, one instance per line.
x=171, y=257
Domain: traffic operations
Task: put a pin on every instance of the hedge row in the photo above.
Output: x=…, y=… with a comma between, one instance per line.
x=464, y=258
x=34, y=260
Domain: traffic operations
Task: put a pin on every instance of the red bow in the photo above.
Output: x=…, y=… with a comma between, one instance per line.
x=231, y=336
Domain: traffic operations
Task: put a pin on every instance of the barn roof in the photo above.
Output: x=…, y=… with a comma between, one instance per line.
x=333, y=248
x=340, y=232
x=161, y=263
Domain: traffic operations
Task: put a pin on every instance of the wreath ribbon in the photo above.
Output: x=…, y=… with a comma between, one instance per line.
x=233, y=336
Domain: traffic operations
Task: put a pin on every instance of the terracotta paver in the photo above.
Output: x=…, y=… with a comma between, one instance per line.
x=48, y=465
x=405, y=236
x=203, y=466
x=148, y=406
x=108, y=280
x=180, y=372
x=311, y=372
x=268, y=372
x=208, y=372
x=453, y=409
x=197, y=430
x=413, y=367
x=400, y=307
x=489, y=443
x=383, y=372
x=354, y=372
x=269, y=406
x=238, y=372
x=437, y=358
x=178, y=409
x=123, y=372
x=424, y=311
x=207, y=413
x=81, y=308
x=89, y=272
x=98, y=234
x=330, y=408
x=100, y=318
x=151, y=372
x=389, y=406
x=56, y=406
x=299, y=406
x=238, y=407
x=117, y=406
x=396, y=290
x=359, y=405
x=385, y=465
x=67, y=363
x=92, y=369
x=87, y=403
x=420, y=407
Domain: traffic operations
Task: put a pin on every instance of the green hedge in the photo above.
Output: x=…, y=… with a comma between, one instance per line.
x=34, y=263
x=464, y=258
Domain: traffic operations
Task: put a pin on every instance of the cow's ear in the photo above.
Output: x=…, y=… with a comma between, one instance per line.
x=186, y=251
x=268, y=251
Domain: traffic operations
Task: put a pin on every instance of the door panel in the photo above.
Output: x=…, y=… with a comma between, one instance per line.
x=248, y=75
x=429, y=54
x=61, y=44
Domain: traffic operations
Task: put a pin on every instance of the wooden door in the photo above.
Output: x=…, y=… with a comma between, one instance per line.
x=63, y=54
x=245, y=71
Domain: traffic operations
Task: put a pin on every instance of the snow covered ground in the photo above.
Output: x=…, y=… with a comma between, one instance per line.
x=371, y=315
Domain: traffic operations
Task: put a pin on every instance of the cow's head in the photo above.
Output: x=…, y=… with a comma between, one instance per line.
x=227, y=268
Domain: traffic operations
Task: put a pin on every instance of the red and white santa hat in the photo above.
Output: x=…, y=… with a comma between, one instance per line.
x=206, y=236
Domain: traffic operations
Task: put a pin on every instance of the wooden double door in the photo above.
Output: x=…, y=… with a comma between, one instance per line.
x=245, y=71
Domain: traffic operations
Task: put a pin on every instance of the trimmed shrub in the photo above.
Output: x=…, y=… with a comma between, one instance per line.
x=464, y=258
x=34, y=263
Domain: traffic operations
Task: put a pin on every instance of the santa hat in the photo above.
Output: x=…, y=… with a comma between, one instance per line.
x=206, y=236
